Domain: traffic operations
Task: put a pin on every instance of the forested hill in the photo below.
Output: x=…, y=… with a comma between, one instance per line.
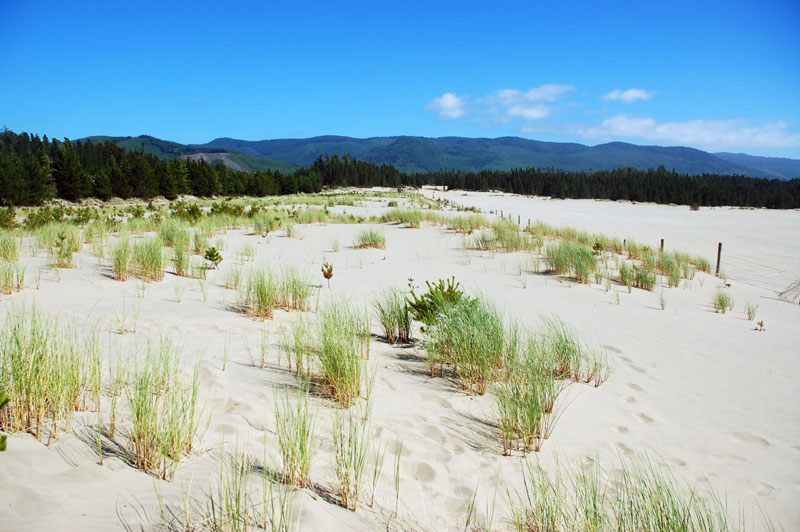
x=34, y=169
x=420, y=154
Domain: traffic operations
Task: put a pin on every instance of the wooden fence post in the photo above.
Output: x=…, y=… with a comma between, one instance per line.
x=719, y=256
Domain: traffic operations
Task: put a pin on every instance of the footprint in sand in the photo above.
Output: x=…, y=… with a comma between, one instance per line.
x=635, y=387
x=434, y=433
x=636, y=368
x=422, y=472
x=677, y=462
x=644, y=417
x=612, y=349
x=624, y=448
x=761, y=488
x=630, y=399
x=751, y=438
x=622, y=429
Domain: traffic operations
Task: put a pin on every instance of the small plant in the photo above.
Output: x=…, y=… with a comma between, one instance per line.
x=750, y=309
x=440, y=296
x=760, y=326
x=121, y=259
x=370, y=238
x=335, y=245
x=213, y=257
x=662, y=301
x=722, y=301
x=327, y=272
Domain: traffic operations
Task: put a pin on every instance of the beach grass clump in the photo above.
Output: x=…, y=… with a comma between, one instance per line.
x=147, y=259
x=200, y=242
x=45, y=369
x=470, y=336
x=751, y=309
x=467, y=224
x=342, y=334
x=180, y=261
x=509, y=237
x=12, y=277
x=230, y=505
x=573, y=259
x=295, y=428
x=121, y=259
x=643, y=496
x=483, y=240
x=670, y=267
x=702, y=264
x=61, y=241
x=261, y=294
x=164, y=411
x=265, y=223
x=722, y=301
x=370, y=238
x=644, y=278
x=294, y=290
x=9, y=250
x=525, y=409
x=391, y=309
x=351, y=439
x=410, y=217
x=298, y=344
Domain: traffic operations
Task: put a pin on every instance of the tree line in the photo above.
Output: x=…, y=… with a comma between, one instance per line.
x=33, y=170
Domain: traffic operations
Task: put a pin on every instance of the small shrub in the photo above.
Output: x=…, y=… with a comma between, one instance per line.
x=440, y=295
x=213, y=257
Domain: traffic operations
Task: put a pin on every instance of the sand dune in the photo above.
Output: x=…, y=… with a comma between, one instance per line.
x=714, y=399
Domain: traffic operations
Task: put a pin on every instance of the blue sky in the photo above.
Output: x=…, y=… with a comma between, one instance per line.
x=720, y=76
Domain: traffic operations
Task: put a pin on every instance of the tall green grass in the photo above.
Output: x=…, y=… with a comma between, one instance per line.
x=569, y=258
x=470, y=336
x=351, y=442
x=121, y=259
x=295, y=428
x=9, y=250
x=164, y=411
x=45, y=367
x=644, y=496
x=147, y=259
x=722, y=301
x=265, y=291
x=342, y=342
x=61, y=241
x=393, y=314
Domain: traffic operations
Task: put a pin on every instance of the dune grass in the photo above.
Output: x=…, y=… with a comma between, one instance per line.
x=164, y=411
x=294, y=426
x=351, y=443
x=342, y=342
x=470, y=336
x=61, y=241
x=370, y=238
x=45, y=368
x=121, y=259
x=266, y=291
x=573, y=259
x=643, y=496
x=147, y=260
x=392, y=312
x=722, y=301
x=9, y=250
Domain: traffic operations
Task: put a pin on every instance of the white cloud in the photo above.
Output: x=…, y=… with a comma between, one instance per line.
x=713, y=135
x=628, y=96
x=507, y=104
x=448, y=106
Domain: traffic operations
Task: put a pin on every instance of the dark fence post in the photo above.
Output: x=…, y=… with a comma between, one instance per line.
x=719, y=256
x=662, y=244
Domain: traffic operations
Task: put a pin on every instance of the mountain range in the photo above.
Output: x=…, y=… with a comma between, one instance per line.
x=422, y=154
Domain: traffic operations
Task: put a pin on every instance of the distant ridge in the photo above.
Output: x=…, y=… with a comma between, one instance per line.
x=423, y=154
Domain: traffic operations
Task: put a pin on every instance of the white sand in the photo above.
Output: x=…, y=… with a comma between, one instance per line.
x=704, y=392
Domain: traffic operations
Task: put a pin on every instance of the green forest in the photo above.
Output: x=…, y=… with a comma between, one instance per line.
x=34, y=169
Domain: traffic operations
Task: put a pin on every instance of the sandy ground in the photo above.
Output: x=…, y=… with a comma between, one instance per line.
x=704, y=392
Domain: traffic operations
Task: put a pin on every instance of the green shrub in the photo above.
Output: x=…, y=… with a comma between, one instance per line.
x=440, y=296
